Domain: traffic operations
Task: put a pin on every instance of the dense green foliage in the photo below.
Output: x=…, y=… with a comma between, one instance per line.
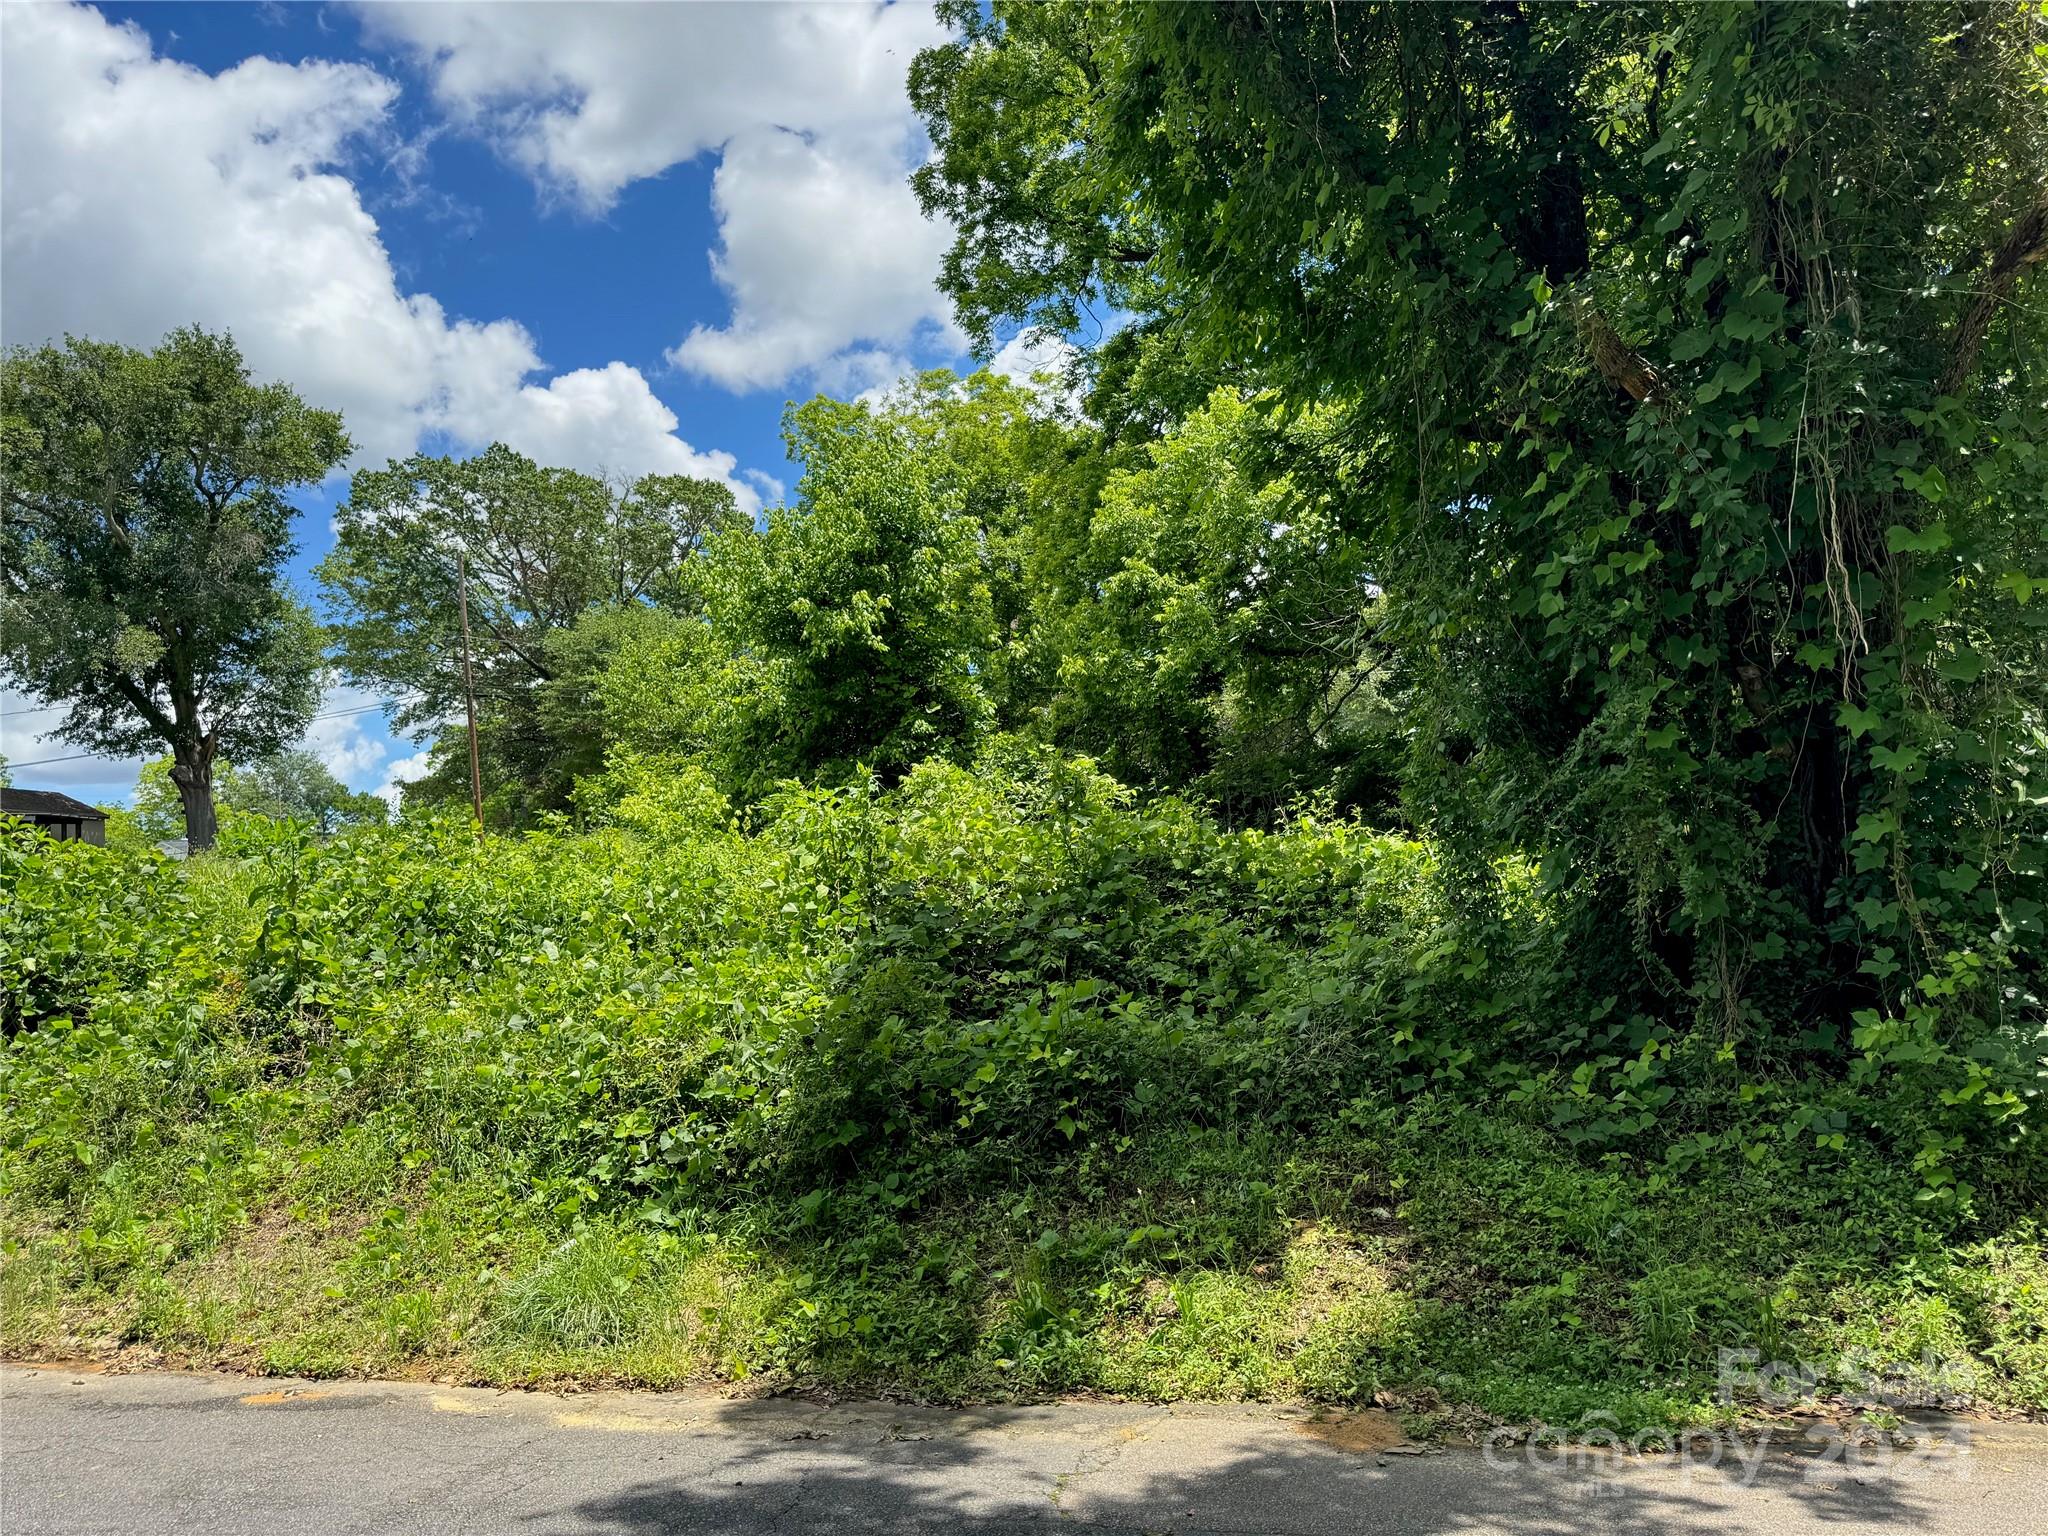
x=145, y=528
x=997, y=1081
x=1649, y=355
x=543, y=547
x=1459, y=811
x=963, y=561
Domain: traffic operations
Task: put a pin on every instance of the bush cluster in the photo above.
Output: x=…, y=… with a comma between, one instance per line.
x=1000, y=1079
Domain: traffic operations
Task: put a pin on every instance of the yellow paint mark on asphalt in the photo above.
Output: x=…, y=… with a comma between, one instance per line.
x=448, y=1402
x=271, y=1399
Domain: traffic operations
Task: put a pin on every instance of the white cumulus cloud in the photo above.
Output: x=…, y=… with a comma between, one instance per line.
x=603, y=420
x=1041, y=361
x=27, y=742
x=346, y=734
x=138, y=194
x=402, y=773
x=823, y=251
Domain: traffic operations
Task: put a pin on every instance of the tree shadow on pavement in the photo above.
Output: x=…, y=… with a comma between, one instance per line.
x=1001, y=1470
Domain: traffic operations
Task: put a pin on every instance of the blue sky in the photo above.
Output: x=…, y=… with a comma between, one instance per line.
x=616, y=236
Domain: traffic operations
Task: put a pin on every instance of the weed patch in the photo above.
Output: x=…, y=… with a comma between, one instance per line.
x=991, y=1087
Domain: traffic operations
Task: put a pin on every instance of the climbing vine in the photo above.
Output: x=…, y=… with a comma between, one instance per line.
x=1682, y=375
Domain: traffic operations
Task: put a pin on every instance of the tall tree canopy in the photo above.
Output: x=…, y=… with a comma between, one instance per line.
x=1682, y=367
x=874, y=596
x=542, y=548
x=881, y=618
x=145, y=531
x=965, y=559
x=1208, y=623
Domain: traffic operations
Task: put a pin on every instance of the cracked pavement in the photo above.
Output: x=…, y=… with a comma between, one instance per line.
x=224, y=1455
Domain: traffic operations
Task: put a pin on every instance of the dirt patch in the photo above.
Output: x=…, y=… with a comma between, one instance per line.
x=1362, y=1433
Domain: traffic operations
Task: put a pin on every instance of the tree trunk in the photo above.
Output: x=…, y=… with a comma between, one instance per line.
x=193, y=775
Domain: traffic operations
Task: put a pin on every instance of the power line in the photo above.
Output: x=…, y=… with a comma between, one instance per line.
x=47, y=709
x=76, y=757
x=335, y=714
x=363, y=709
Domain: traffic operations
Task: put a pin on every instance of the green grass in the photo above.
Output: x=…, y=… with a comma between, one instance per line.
x=954, y=1097
x=1443, y=1263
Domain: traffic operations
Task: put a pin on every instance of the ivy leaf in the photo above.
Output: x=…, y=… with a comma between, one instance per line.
x=2020, y=585
x=1930, y=483
x=1691, y=344
x=1963, y=667
x=1731, y=378
x=1923, y=608
x=1901, y=540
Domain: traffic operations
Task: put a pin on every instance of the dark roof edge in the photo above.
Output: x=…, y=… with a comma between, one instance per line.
x=46, y=802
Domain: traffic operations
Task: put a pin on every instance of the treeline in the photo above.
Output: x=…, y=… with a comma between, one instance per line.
x=961, y=562
x=293, y=785
x=1679, y=374
x=964, y=560
x=1460, y=809
x=1610, y=439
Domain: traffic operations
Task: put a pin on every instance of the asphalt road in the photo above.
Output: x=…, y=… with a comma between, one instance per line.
x=224, y=1456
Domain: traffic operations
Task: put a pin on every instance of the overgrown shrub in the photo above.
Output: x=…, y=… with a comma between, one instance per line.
x=956, y=1076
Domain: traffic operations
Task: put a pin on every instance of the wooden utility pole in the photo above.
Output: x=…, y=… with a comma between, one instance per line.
x=476, y=777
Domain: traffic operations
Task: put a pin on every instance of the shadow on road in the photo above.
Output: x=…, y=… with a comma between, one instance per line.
x=1020, y=1472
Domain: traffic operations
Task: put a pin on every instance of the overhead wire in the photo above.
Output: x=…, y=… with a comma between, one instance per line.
x=333, y=714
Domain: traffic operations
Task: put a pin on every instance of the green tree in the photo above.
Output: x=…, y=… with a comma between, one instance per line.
x=542, y=548
x=886, y=607
x=963, y=559
x=155, y=810
x=663, y=685
x=146, y=529
x=1210, y=625
x=1026, y=476
x=1682, y=365
x=296, y=786
x=293, y=785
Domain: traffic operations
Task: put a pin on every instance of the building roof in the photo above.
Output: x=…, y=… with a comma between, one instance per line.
x=47, y=802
